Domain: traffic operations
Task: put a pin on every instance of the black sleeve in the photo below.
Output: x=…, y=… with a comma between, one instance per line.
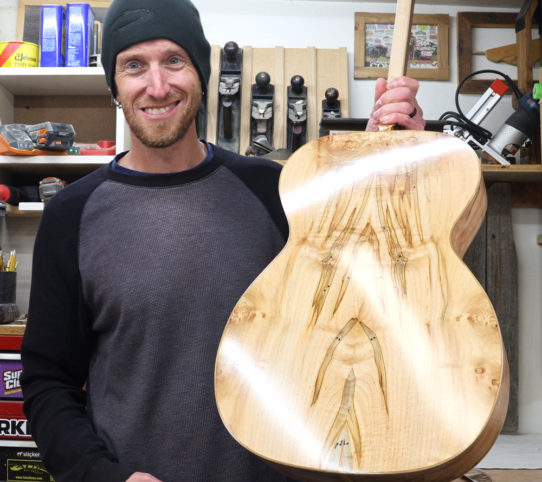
x=261, y=176
x=55, y=354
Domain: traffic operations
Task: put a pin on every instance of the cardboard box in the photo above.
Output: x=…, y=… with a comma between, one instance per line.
x=14, y=426
x=79, y=30
x=11, y=369
x=20, y=460
x=52, y=36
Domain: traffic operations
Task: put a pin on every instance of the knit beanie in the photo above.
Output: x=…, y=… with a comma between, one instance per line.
x=128, y=22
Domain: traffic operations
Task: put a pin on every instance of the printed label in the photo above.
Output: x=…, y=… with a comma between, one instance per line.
x=11, y=371
x=27, y=470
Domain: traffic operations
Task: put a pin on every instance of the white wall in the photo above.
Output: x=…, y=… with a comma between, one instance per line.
x=330, y=24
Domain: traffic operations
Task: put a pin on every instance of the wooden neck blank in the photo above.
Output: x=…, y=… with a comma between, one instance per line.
x=401, y=36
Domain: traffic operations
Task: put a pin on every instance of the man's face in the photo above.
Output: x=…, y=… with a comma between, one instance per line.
x=159, y=89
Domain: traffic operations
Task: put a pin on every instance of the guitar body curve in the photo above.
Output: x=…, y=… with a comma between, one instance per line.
x=367, y=351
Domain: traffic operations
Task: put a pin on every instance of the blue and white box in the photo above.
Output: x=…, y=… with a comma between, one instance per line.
x=52, y=36
x=79, y=30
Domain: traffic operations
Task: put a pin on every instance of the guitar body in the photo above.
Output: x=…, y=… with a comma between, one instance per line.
x=367, y=350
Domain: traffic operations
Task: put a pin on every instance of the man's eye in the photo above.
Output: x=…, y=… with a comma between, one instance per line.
x=176, y=60
x=133, y=65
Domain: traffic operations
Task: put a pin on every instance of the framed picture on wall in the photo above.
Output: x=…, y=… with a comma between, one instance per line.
x=428, y=48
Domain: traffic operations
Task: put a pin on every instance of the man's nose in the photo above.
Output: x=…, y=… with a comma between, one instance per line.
x=158, y=85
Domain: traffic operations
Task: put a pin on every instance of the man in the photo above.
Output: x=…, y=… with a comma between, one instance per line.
x=138, y=265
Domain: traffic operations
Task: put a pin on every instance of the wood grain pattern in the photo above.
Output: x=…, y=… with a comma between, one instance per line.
x=502, y=285
x=367, y=350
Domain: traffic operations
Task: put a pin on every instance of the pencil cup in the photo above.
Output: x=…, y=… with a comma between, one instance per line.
x=8, y=308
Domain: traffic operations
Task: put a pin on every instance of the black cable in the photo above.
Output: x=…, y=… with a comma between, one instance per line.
x=482, y=134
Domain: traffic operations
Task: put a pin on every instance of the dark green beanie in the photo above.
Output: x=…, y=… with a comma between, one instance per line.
x=128, y=22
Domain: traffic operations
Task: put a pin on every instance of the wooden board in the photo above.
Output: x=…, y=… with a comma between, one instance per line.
x=511, y=476
x=492, y=259
x=93, y=116
x=15, y=328
x=475, y=257
x=502, y=284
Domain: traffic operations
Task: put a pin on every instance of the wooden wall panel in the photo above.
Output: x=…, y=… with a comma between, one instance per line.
x=321, y=68
x=492, y=259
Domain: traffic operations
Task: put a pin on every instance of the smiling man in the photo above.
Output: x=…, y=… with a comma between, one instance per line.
x=138, y=265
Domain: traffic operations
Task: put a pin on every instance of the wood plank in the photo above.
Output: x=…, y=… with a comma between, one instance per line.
x=524, y=53
x=526, y=194
x=502, y=475
x=502, y=284
x=512, y=173
x=15, y=328
x=332, y=71
x=247, y=79
x=212, y=94
x=475, y=257
x=92, y=116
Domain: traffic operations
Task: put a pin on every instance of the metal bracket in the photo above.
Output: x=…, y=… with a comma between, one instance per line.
x=296, y=130
x=229, y=97
x=261, y=118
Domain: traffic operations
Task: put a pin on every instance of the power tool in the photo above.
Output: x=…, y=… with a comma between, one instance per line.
x=12, y=195
x=513, y=134
x=41, y=139
x=49, y=186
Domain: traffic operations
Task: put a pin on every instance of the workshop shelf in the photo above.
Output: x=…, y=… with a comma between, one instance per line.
x=512, y=173
x=54, y=80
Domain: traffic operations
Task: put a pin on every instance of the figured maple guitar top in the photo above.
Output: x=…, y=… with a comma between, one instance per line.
x=367, y=348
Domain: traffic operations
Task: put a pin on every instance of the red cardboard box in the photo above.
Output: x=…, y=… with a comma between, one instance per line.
x=20, y=460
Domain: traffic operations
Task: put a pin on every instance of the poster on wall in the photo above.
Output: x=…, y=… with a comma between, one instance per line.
x=428, y=46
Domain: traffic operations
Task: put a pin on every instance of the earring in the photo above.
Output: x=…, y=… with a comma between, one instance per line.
x=117, y=103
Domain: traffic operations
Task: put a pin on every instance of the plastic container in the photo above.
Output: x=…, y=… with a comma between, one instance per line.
x=18, y=54
x=8, y=308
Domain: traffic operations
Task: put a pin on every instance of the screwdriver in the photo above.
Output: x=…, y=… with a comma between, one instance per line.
x=12, y=195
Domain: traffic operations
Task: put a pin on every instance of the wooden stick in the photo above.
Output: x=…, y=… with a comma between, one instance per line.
x=401, y=35
x=399, y=46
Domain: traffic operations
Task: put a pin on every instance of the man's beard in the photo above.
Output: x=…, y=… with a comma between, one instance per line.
x=164, y=134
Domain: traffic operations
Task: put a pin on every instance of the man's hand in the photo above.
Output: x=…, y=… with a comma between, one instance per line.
x=141, y=477
x=395, y=103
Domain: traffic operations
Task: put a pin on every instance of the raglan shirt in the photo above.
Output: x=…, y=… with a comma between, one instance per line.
x=133, y=280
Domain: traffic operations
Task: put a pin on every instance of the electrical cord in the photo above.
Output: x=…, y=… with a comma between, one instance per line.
x=481, y=134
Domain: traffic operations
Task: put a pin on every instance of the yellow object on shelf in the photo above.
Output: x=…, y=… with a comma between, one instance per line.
x=18, y=54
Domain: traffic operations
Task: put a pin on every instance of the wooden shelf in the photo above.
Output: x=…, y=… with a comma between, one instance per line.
x=513, y=173
x=28, y=162
x=14, y=328
x=54, y=80
x=21, y=211
x=70, y=166
x=470, y=3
